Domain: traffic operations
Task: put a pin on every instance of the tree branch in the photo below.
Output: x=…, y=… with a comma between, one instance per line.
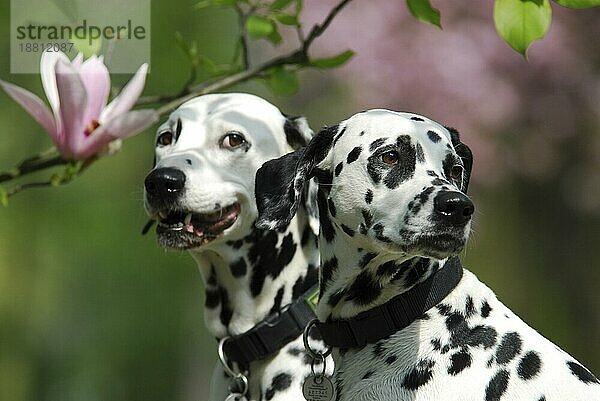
x=242, y=16
x=31, y=165
x=318, y=30
x=298, y=56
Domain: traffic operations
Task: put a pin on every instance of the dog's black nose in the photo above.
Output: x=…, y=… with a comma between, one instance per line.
x=165, y=182
x=454, y=207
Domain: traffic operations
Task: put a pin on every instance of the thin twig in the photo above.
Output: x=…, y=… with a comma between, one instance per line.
x=54, y=181
x=31, y=165
x=300, y=33
x=317, y=30
x=18, y=188
x=242, y=17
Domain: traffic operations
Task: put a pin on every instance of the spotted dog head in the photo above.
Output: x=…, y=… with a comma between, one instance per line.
x=201, y=188
x=391, y=181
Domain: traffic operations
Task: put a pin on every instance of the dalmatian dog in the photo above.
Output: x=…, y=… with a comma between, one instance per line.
x=393, y=214
x=201, y=194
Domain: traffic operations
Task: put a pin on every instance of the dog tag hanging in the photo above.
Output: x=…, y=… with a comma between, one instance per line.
x=317, y=388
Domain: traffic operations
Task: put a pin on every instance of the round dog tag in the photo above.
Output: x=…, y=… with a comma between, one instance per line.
x=317, y=388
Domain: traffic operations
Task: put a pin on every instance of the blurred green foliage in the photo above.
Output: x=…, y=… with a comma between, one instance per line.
x=91, y=310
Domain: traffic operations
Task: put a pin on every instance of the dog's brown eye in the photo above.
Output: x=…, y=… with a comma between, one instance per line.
x=456, y=171
x=390, y=157
x=233, y=141
x=165, y=139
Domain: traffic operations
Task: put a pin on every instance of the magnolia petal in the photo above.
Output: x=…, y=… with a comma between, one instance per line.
x=128, y=96
x=48, y=74
x=73, y=105
x=34, y=106
x=120, y=127
x=77, y=61
x=95, y=78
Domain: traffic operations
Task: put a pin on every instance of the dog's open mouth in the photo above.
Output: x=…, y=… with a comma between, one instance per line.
x=181, y=229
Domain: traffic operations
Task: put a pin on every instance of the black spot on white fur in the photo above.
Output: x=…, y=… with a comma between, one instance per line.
x=277, y=301
x=485, y=309
x=582, y=373
x=239, y=268
x=338, y=168
x=419, y=375
x=303, y=283
x=420, y=153
x=327, y=269
x=267, y=258
x=364, y=289
x=226, y=311
x=497, y=386
x=280, y=382
x=459, y=361
x=353, y=155
x=529, y=365
x=325, y=224
x=376, y=144
x=434, y=136
x=339, y=135
x=509, y=348
x=369, y=197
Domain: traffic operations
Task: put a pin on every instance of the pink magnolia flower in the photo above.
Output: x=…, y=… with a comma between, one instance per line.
x=83, y=124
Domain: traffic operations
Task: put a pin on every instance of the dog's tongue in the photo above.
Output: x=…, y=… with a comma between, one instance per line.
x=192, y=230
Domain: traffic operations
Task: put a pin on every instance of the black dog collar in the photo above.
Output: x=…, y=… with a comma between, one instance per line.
x=272, y=333
x=396, y=314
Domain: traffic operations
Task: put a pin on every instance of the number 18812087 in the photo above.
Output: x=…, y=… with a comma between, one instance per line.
x=35, y=47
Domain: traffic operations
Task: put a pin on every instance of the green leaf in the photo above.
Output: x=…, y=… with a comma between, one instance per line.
x=213, y=3
x=279, y=5
x=283, y=82
x=287, y=19
x=182, y=45
x=578, y=3
x=274, y=37
x=423, y=10
x=191, y=50
x=259, y=27
x=332, y=62
x=520, y=22
x=3, y=197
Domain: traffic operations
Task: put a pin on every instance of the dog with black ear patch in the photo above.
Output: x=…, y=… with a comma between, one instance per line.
x=405, y=320
x=201, y=194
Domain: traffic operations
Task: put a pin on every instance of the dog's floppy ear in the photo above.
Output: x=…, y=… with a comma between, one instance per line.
x=297, y=131
x=280, y=182
x=298, y=134
x=465, y=154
